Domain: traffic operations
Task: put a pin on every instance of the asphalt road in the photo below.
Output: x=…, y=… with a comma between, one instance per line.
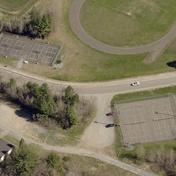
x=96, y=88
x=156, y=46
x=123, y=86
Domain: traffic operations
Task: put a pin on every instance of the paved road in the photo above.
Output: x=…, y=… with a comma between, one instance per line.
x=123, y=86
x=156, y=47
x=97, y=88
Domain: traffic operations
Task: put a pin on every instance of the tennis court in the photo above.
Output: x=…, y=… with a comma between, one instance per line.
x=13, y=46
x=147, y=120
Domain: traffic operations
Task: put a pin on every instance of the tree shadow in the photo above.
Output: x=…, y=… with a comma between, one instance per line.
x=110, y=125
x=24, y=114
x=172, y=64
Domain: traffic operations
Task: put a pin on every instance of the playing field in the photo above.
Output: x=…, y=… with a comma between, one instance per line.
x=148, y=120
x=127, y=22
x=12, y=4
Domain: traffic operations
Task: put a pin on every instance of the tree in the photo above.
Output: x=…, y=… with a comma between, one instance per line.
x=70, y=116
x=22, y=144
x=70, y=97
x=43, y=25
x=43, y=100
x=25, y=162
x=53, y=160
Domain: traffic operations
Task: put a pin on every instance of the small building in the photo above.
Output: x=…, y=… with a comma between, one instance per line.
x=5, y=149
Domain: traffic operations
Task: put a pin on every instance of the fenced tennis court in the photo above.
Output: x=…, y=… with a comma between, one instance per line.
x=30, y=50
x=147, y=121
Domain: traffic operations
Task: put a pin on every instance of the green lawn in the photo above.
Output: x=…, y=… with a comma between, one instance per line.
x=127, y=23
x=12, y=4
x=98, y=66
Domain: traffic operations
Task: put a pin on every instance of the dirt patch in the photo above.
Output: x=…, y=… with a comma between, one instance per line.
x=14, y=121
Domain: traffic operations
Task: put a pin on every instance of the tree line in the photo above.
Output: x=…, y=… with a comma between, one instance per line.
x=66, y=109
x=38, y=25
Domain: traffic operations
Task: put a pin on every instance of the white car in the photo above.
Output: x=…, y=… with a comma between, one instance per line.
x=135, y=83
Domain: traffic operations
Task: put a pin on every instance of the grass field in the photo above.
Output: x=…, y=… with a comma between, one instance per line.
x=98, y=66
x=12, y=4
x=127, y=23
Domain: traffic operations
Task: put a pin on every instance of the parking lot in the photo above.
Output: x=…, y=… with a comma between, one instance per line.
x=34, y=51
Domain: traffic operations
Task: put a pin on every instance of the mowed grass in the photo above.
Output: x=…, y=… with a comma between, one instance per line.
x=127, y=23
x=12, y=4
x=103, y=67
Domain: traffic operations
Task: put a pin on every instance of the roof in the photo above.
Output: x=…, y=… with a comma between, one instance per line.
x=4, y=147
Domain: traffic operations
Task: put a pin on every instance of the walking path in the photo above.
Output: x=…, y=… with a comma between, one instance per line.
x=155, y=47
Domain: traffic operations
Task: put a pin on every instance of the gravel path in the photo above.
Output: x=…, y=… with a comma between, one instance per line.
x=155, y=47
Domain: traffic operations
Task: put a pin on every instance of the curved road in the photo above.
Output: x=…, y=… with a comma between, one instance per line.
x=82, y=35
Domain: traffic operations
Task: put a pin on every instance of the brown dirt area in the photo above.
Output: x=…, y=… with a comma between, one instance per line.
x=13, y=124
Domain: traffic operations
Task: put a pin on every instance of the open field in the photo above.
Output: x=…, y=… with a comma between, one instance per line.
x=12, y=5
x=127, y=23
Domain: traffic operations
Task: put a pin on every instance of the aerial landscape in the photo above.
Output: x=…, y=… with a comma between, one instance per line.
x=88, y=88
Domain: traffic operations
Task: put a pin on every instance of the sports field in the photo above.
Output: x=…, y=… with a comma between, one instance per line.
x=127, y=22
x=12, y=4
